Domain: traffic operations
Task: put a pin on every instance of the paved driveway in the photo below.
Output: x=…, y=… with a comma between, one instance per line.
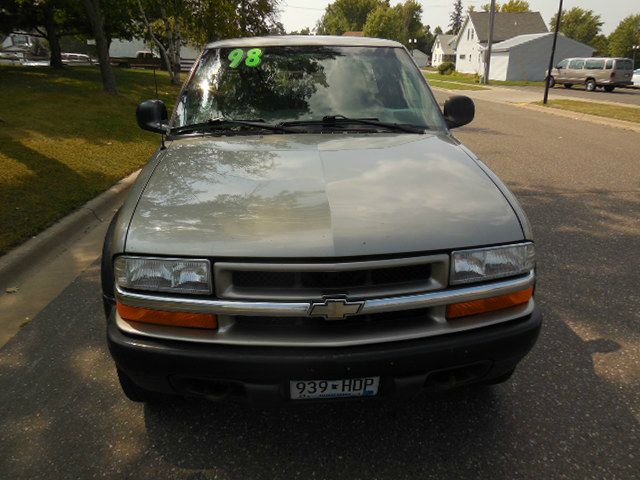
x=571, y=411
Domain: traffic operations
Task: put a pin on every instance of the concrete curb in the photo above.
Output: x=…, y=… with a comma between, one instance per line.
x=609, y=122
x=63, y=233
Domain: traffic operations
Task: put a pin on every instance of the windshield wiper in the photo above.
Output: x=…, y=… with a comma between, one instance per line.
x=341, y=119
x=220, y=123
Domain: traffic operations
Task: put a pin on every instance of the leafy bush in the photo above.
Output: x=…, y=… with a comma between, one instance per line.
x=446, y=68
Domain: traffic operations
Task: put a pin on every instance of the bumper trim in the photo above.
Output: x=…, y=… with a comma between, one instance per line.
x=301, y=309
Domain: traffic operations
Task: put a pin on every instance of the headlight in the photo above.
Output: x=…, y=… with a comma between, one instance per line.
x=489, y=263
x=163, y=274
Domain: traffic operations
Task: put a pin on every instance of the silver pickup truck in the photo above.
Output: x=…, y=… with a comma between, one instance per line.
x=311, y=230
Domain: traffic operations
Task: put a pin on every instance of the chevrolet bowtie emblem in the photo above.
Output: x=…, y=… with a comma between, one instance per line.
x=335, y=309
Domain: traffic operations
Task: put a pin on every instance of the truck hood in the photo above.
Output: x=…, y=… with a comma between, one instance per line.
x=318, y=196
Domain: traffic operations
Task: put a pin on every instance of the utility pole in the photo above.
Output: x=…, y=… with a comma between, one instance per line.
x=487, y=52
x=553, y=52
x=635, y=48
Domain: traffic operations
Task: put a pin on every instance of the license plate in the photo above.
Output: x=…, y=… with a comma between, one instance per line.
x=347, y=387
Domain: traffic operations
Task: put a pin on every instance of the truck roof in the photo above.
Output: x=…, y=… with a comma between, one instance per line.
x=293, y=40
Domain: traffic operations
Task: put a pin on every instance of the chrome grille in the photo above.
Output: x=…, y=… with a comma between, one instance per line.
x=314, y=281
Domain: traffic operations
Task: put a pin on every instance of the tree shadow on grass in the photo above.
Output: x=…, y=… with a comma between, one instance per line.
x=53, y=189
x=71, y=104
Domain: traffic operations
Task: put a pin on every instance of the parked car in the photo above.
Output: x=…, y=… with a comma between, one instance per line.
x=593, y=72
x=10, y=58
x=636, y=78
x=312, y=230
x=76, y=59
x=143, y=59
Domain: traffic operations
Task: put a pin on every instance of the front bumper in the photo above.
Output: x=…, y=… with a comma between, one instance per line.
x=262, y=374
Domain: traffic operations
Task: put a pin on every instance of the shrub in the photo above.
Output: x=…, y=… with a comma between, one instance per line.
x=446, y=68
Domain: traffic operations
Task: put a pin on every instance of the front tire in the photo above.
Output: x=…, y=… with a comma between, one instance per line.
x=552, y=82
x=135, y=393
x=608, y=88
x=590, y=85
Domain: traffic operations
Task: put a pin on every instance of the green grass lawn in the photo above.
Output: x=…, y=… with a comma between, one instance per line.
x=63, y=141
x=630, y=114
x=472, y=79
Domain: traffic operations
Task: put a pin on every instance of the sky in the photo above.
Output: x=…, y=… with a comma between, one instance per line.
x=297, y=14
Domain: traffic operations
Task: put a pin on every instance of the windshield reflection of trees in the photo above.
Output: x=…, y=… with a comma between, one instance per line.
x=282, y=85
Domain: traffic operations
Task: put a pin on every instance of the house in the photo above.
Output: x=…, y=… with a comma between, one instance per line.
x=473, y=37
x=443, y=50
x=421, y=58
x=526, y=57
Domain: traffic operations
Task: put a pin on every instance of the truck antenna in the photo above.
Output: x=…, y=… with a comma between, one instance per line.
x=155, y=81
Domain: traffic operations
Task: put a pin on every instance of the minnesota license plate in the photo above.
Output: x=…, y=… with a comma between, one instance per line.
x=347, y=387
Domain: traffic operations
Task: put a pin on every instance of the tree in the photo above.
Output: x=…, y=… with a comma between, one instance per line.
x=401, y=23
x=384, y=22
x=437, y=30
x=625, y=36
x=510, y=6
x=96, y=18
x=515, y=6
x=210, y=20
x=347, y=15
x=579, y=24
x=601, y=44
x=164, y=29
x=304, y=31
x=455, y=18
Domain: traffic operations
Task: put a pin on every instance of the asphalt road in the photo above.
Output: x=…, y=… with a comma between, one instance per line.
x=630, y=96
x=572, y=409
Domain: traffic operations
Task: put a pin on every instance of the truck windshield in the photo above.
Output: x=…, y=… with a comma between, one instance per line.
x=282, y=84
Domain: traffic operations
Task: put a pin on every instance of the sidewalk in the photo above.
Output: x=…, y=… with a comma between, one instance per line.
x=525, y=98
x=37, y=271
x=519, y=95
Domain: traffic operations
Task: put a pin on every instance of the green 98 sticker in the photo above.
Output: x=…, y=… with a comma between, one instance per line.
x=253, y=57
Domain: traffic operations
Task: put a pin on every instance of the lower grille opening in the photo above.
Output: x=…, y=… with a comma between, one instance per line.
x=212, y=389
x=457, y=376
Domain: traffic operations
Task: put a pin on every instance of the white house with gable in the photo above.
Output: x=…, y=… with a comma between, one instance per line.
x=472, y=39
x=526, y=57
x=443, y=49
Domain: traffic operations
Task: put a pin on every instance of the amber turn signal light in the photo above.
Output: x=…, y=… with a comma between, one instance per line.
x=173, y=319
x=484, y=305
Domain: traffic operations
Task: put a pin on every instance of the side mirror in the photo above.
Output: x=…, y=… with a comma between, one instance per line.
x=152, y=115
x=458, y=111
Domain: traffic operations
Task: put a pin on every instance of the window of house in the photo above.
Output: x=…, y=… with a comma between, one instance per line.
x=462, y=57
x=470, y=57
x=471, y=34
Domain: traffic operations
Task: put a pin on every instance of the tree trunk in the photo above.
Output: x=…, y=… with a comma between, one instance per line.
x=53, y=38
x=174, y=49
x=161, y=47
x=177, y=47
x=102, y=45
